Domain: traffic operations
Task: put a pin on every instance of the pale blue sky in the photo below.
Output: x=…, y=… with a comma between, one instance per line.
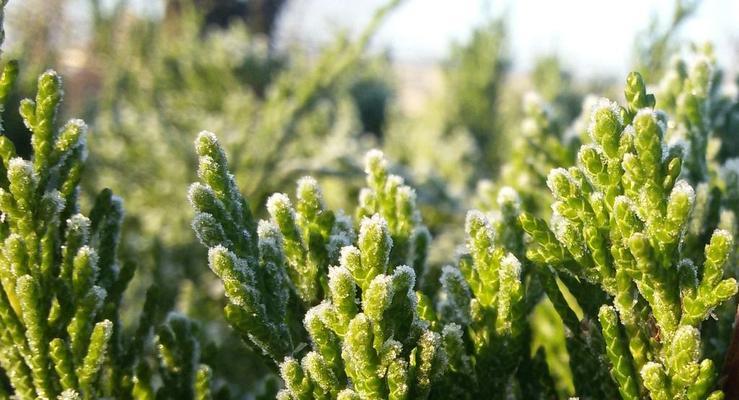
x=594, y=37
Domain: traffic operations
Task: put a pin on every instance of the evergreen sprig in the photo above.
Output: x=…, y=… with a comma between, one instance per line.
x=249, y=259
x=367, y=339
x=618, y=222
x=61, y=281
x=368, y=332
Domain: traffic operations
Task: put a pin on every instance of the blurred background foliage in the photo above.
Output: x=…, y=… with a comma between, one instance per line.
x=147, y=84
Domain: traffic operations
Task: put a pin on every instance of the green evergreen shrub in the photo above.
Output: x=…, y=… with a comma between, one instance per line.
x=600, y=262
x=616, y=246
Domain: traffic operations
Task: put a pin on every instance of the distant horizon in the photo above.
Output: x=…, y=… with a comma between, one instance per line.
x=596, y=40
x=593, y=39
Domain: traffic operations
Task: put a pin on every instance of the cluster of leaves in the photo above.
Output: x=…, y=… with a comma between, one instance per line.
x=619, y=223
x=637, y=254
x=361, y=313
x=62, y=284
x=617, y=243
x=483, y=303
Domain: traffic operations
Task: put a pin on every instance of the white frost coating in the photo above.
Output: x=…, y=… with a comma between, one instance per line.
x=208, y=163
x=632, y=207
x=56, y=199
x=409, y=273
x=395, y=181
x=79, y=223
x=80, y=124
x=433, y=342
x=449, y=272
x=19, y=165
x=194, y=189
x=724, y=234
x=553, y=174
x=206, y=135
x=558, y=224
x=629, y=130
x=596, y=197
x=69, y=394
x=107, y=328
x=365, y=196
x=53, y=74
x=342, y=232
x=343, y=222
x=278, y=202
x=99, y=293
x=683, y=188
x=363, y=336
x=346, y=253
x=651, y=369
x=475, y=217
x=686, y=334
x=508, y=195
x=382, y=281
x=267, y=228
x=662, y=118
x=308, y=184
x=268, y=234
x=459, y=251
x=218, y=250
x=392, y=349
x=625, y=200
x=81, y=127
x=650, y=113
x=284, y=366
x=373, y=159
x=375, y=223
x=317, y=313
x=513, y=269
x=589, y=147
x=311, y=361
x=407, y=192
x=65, y=143
x=603, y=104
x=381, y=291
x=91, y=254
x=337, y=275
x=452, y=329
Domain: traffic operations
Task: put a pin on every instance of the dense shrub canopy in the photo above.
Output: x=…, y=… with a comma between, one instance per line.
x=534, y=245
